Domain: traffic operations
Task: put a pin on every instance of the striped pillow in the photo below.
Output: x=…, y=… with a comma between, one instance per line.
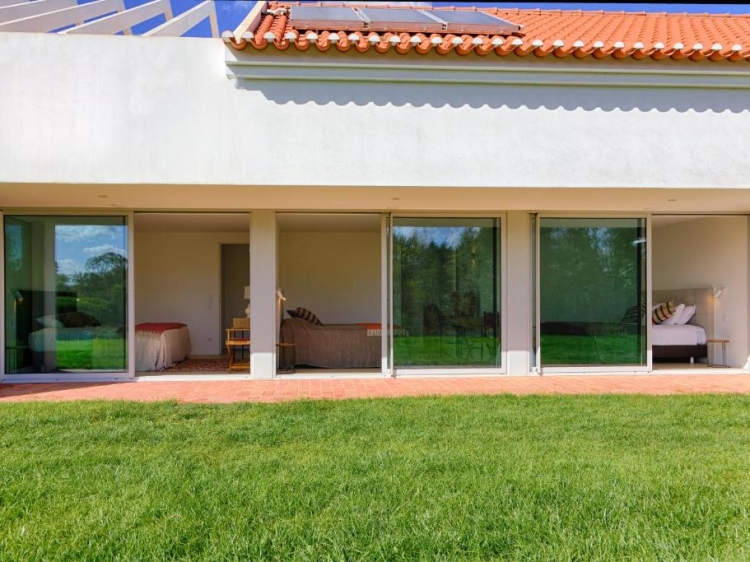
x=306, y=315
x=634, y=314
x=663, y=311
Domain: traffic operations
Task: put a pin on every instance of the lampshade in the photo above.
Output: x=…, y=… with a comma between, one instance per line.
x=247, y=292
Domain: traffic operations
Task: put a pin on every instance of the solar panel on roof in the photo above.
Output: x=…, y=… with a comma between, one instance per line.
x=384, y=19
x=463, y=21
x=415, y=21
x=319, y=17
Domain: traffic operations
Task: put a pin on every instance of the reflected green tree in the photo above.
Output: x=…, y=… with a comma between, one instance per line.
x=100, y=288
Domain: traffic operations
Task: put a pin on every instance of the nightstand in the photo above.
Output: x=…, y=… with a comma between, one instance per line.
x=723, y=353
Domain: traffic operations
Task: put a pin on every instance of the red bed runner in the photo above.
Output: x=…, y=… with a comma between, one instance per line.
x=158, y=327
x=375, y=329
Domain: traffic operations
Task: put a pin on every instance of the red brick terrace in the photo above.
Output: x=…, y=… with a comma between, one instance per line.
x=339, y=389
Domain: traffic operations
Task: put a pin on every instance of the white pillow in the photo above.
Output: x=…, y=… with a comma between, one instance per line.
x=687, y=313
x=672, y=320
x=49, y=321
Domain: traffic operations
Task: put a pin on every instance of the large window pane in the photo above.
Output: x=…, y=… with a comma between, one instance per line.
x=66, y=294
x=592, y=291
x=446, y=292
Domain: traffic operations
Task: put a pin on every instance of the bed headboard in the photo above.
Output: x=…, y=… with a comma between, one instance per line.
x=703, y=299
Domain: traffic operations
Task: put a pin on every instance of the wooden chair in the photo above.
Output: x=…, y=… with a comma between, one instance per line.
x=238, y=343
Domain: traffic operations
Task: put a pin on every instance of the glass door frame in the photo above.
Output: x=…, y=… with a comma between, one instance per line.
x=451, y=371
x=129, y=373
x=614, y=369
x=386, y=300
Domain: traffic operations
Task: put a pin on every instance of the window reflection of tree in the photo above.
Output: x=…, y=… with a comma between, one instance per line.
x=100, y=290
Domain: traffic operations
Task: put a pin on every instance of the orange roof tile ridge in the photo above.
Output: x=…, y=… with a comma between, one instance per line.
x=554, y=11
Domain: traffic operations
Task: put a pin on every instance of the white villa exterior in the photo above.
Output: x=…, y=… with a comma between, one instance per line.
x=123, y=126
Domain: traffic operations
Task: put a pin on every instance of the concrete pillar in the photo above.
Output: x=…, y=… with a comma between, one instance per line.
x=263, y=252
x=518, y=308
x=745, y=356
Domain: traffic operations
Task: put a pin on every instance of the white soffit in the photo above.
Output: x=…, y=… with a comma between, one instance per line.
x=328, y=222
x=192, y=222
x=667, y=220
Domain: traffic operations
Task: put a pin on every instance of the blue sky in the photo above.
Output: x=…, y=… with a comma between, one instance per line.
x=74, y=244
x=231, y=12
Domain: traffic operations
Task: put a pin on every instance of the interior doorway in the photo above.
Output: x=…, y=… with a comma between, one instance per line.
x=191, y=270
x=700, y=270
x=330, y=265
x=235, y=265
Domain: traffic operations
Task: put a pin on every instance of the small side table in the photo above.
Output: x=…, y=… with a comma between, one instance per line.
x=287, y=358
x=723, y=353
x=238, y=341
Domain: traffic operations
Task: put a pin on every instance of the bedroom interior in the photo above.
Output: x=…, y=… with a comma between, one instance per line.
x=329, y=265
x=701, y=260
x=191, y=271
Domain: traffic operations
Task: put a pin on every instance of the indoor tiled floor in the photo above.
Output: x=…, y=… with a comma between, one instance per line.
x=335, y=389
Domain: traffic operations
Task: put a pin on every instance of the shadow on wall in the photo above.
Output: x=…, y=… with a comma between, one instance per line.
x=570, y=98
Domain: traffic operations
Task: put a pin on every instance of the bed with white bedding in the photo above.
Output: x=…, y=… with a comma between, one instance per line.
x=158, y=346
x=678, y=335
x=685, y=342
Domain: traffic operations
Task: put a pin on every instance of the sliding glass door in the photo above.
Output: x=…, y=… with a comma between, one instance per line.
x=65, y=294
x=592, y=292
x=446, y=292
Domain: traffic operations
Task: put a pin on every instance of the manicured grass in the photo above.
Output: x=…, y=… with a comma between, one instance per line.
x=528, y=478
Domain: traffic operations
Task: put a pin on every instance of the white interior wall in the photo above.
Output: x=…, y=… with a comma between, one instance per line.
x=178, y=279
x=336, y=275
x=709, y=252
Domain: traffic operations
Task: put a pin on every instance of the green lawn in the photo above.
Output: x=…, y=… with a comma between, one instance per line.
x=528, y=478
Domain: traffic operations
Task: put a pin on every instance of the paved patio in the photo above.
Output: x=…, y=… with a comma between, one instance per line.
x=337, y=389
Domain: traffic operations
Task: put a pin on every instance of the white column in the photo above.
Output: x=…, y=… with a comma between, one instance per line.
x=518, y=306
x=131, y=293
x=4, y=319
x=49, y=285
x=263, y=246
x=746, y=355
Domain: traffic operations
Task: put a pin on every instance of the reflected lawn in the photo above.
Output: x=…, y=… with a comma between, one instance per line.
x=621, y=349
x=96, y=354
x=427, y=351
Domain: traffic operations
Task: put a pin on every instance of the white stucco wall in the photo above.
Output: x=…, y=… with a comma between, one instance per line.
x=135, y=110
x=709, y=252
x=334, y=274
x=178, y=279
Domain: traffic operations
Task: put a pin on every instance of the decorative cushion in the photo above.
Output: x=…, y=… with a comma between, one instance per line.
x=672, y=320
x=49, y=321
x=305, y=314
x=686, y=315
x=662, y=312
x=634, y=314
x=78, y=320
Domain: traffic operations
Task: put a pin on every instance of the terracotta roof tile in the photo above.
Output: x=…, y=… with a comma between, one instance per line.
x=560, y=33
